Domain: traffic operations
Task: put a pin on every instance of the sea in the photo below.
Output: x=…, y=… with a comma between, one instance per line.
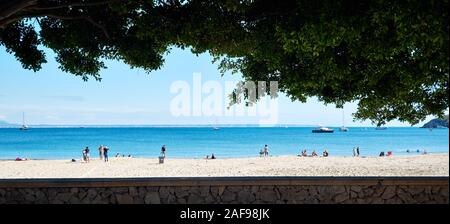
x=227, y=142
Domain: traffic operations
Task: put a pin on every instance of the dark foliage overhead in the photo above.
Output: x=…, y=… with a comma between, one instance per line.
x=389, y=56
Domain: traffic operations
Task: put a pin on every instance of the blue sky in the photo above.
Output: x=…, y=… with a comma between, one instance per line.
x=132, y=97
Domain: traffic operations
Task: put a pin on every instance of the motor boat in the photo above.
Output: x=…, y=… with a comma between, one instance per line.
x=322, y=130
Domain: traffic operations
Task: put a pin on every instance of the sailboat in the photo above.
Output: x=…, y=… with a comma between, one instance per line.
x=24, y=126
x=215, y=127
x=343, y=128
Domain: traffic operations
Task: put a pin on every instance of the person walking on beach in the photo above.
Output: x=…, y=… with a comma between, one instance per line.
x=163, y=151
x=105, y=153
x=357, y=151
x=266, y=150
x=100, y=152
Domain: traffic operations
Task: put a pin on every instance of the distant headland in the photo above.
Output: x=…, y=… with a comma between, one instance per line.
x=437, y=123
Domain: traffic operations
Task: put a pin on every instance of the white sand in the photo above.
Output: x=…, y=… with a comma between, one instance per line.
x=417, y=165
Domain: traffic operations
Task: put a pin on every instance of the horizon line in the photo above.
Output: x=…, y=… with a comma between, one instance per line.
x=188, y=125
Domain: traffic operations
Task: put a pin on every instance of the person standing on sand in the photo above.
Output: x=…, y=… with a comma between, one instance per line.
x=86, y=154
x=105, y=153
x=163, y=151
x=354, y=152
x=357, y=151
x=100, y=152
x=266, y=150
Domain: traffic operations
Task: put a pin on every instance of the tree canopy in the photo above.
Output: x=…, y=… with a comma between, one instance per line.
x=389, y=56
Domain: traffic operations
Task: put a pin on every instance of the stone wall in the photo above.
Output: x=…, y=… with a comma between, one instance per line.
x=247, y=190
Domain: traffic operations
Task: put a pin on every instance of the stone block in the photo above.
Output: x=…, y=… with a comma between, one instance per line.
x=124, y=198
x=152, y=198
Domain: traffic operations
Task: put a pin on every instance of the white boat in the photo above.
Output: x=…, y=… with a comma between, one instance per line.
x=380, y=128
x=216, y=127
x=343, y=128
x=322, y=130
x=24, y=126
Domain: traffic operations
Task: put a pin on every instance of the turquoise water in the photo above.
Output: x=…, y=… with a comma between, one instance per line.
x=67, y=143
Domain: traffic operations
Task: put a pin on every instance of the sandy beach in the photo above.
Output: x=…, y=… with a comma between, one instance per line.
x=416, y=165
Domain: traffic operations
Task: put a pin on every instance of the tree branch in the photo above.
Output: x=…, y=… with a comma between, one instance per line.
x=14, y=10
x=11, y=7
x=73, y=4
x=98, y=26
x=55, y=16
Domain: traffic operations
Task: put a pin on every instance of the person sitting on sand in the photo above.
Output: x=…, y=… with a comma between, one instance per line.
x=261, y=153
x=314, y=153
x=325, y=153
x=207, y=157
x=304, y=153
x=382, y=154
x=389, y=153
x=105, y=153
x=424, y=152
x=21, y=159
x=118, y=154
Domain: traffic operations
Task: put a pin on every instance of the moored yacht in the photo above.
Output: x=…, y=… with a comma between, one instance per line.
x=322, y=130
x=24, y=126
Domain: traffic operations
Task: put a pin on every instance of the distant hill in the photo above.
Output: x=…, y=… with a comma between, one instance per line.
x=438, y=122
x=6, y=124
